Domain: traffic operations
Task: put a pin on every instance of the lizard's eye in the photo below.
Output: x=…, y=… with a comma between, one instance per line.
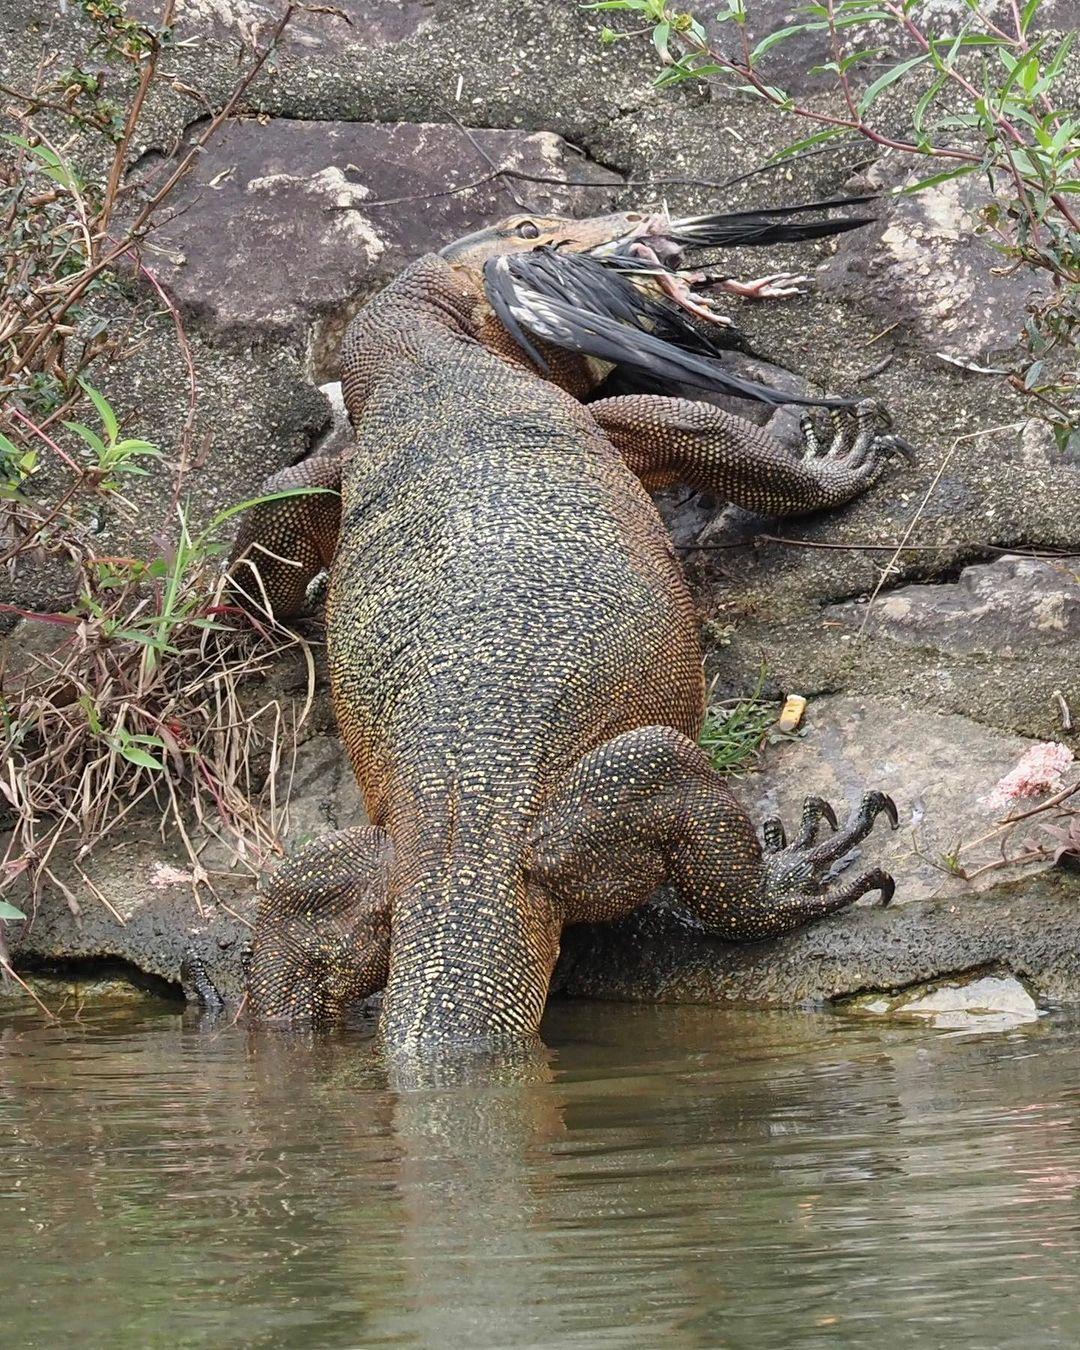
x=527, y=230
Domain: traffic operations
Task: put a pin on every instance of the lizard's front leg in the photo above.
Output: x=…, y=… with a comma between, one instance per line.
x=322, y=931
x=648, y=808
x=677, y=440
x=284, y=543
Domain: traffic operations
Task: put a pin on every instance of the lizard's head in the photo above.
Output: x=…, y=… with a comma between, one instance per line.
x=650, y=246
x=594, y=234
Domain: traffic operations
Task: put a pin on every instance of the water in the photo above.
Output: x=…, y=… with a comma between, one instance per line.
x=663, y=1177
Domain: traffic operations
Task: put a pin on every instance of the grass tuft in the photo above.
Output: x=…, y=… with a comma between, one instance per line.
x=146, y=700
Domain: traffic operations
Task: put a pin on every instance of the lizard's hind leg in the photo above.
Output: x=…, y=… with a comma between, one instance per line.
x=648, y=808
x=322, y=932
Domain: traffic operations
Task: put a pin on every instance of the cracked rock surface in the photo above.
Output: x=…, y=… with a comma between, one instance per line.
x=968, y=651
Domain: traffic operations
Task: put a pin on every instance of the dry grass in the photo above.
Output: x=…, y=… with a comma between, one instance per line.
x=149, y=699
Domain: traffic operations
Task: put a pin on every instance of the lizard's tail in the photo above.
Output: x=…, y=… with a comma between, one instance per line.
x=472, y=949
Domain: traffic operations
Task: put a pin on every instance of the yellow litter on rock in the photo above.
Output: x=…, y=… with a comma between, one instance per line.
x=792, y=714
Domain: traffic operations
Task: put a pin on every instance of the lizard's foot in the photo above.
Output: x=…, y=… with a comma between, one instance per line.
x=797, y=875
x=815, y=810
x=861, y=444
x=197, y=985
x=776, y=286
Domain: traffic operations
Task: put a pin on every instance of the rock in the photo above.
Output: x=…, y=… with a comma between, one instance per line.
x=1006, y=997
x=156, y=915
x=240, y=24
x=1030, y=929
x=938, y=769
x=992, y=1003
x=149, y=927
x=928, y=263
x=1003, y=609
x=279, y=226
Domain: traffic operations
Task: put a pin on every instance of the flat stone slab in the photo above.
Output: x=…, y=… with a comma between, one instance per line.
x=278, y=225
x=322, y=28
x=940, y=769
x=999, y=609
x=924, y=263
x=987, y=1004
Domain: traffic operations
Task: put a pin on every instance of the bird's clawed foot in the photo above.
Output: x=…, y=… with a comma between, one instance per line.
x=797, y=873
x=776, y=286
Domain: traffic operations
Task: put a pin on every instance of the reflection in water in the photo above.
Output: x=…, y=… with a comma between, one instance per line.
x=689, y=1177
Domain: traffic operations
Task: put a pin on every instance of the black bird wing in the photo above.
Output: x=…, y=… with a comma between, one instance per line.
x=587, y=305
x=771, y=225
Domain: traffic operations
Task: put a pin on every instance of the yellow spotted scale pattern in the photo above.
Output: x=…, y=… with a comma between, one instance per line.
x=516, y=673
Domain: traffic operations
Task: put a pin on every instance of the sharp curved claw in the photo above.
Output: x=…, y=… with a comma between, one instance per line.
x=903, y=448
x=774, y=834
x=197, y=985
x=828, y=813
x=886, y=890
x=889, y=807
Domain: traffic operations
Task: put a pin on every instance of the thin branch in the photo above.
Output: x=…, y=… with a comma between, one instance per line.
x=119, y=163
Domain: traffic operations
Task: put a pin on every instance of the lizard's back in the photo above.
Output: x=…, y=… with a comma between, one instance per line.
x=508, y=592
x=507, y=600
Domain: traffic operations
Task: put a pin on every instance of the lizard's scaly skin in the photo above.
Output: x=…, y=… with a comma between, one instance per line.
x=517, y=674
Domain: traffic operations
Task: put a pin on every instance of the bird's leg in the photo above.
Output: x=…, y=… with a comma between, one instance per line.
x=776, y=286
x=677, y=440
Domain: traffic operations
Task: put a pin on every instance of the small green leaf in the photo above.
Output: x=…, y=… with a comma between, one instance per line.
x=9, y=911
x=920, y=108
x=1063, y=134
x=101, y=403
x=677, y=73
x=936, y=178
x=230, y=511
x=868, y=16
x=140, y=757
x=798, y=147
x=135, y=448
x=1030, y=10
x=890, y=77
x=781, y=35
x=1060, y=56
x=92, y=439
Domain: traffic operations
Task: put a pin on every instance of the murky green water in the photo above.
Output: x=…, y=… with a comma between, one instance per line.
x=667, y=1177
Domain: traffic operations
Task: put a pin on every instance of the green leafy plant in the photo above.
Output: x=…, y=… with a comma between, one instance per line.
x=733, y=734
x=16, y=465
x=735, y=730
x=73, y=238
x=144, y=698
x=110, y=454
x=982, y=102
